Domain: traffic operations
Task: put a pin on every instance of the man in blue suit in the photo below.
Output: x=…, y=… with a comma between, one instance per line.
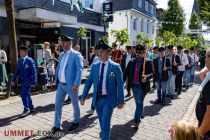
x=68, y=79
x=108, y=93
x=26, y=72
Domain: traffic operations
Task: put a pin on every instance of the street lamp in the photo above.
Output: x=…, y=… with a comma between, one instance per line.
x=104, y=17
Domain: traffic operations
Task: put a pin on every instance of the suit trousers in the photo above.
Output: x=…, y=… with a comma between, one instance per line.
x=26, y=98
x=104, y=111
x=59, y=99
x=178, y=81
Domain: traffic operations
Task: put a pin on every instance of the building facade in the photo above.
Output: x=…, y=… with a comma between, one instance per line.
x=136, y=16
x=44, y=20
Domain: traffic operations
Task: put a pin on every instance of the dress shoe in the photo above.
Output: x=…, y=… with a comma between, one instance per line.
x=157, y=102
x=167, y=95
x=24, y=114
x=128, y=95
x=73, y=126
x=163, y=103
x=68, y=101
x=135, y=124
x=32, y=110
x=172, y=96
x=55, y=130
x=90, y=112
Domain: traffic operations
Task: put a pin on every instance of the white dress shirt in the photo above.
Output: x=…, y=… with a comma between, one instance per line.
x=61, y=71
x=128, y=58
x=24, y=58
x=184, y=61
x=193, y=57
x=104, y=92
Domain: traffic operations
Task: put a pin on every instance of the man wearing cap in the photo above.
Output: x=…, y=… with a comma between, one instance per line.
x=152, y=57
x=107, y=78
x=161, y=66
x=138, y=72
x=173, y=70
x=181, y=68
x=194, y=59
x=26, y=72
x=125, y=60
x=68, y=79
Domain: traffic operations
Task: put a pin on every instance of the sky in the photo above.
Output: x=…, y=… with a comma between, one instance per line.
x=187, y=6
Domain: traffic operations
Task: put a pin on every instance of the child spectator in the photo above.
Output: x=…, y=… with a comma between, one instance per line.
x=51, y=71
x=43, y=76
x=182, y=130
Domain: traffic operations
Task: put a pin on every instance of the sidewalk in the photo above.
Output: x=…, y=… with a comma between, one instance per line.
x=154, y=126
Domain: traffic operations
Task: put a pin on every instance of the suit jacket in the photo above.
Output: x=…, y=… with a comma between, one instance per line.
x=156, y=65
x=73, y=71
x=130, y=70
x=26, y=73
x=175, y=68
x=114, y=83
x=123, y=62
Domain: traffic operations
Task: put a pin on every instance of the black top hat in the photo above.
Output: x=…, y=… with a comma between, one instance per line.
x=140, y=49
x=179, y=47
x=192, y=48
x=66, y=38
x=128, y=47
x=24, y=48
x=161, y=49
x=170, y=46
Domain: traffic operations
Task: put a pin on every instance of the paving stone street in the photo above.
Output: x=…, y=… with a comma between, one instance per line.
x=154, y=126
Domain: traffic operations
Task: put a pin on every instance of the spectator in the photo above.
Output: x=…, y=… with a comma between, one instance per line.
x=43, y=76
x=203, y=104
x=91, y=55
x=47, y=53
x=3, y=60
x=51, y=71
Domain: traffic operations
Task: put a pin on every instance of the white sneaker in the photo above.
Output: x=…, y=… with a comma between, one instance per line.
x=90, y=112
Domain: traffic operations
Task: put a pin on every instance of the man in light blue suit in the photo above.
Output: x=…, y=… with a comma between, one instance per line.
x=107, y=78
x=68, y=79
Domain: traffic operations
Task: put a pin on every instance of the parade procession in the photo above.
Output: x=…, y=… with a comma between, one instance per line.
x=107, y=69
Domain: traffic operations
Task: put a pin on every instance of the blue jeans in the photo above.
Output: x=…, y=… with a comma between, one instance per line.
x=171, y=83
x=138, y=95
x=104, y=111
x=59, y=99
x=161, y=89
x=186, y=77
x=192, y=72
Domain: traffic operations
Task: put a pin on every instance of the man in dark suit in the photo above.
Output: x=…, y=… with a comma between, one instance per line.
x=26, y=72
x=173, y=70
x=124, y=63
x=161, y=66
x=138, y=72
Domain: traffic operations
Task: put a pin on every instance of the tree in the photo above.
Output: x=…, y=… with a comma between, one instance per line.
x=139, y=37
x=81, y=33
x=205, y=11
x=12, y=34
x=106, y=39
x=158, y=41
x=169, y=38
x=121, y=36
x=173, y=18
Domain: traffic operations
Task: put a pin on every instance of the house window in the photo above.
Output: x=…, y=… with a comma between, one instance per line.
x=146, y=6
x=148, y=26
x=139, y=3
x=151, y=10
x=135, y=23
x=89, y=4
x=142, y=25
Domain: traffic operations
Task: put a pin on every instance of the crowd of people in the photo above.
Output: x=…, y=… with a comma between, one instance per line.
x=169, y=68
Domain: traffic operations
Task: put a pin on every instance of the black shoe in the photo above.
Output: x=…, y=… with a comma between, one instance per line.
x=167, y=95
x=68, y=101
x=154, y=86
x=184, y=86
x=55, y=130
x=128, y=95
x=135, y=124
x=157, y=102
x=73, y=126
x=172, y=96
x=179, y=92
x=187, y=87
x=163, y=103
x=33, y=110
x=24, y=114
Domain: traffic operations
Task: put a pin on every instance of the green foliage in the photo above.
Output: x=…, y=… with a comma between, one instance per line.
x=169, y=38
x=187, y=42
x=121, y=36
x=82, y=32
x=139, y=37
x=158, y=41
x=205, y=11
x=195, y=22
x=106, y=39
x=173, y=18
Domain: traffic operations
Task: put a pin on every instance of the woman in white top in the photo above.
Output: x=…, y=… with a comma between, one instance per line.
x=3, y=55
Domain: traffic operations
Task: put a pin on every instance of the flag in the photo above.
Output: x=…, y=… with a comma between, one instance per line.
x=77, y=4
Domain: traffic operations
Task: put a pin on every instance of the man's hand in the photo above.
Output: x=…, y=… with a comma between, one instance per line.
x=82, y=102
x=144, y=79
x=75, y=89
x=13, y=84
x=165, y=68
x=175, y=64
x=120, y=106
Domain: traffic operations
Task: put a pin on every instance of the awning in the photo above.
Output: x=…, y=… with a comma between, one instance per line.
x=43, y=15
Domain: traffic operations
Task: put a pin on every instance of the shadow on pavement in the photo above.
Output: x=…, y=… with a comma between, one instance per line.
x=123, y=132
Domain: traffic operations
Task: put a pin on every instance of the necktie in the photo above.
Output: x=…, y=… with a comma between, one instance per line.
x=136, y=75
x=101, y=80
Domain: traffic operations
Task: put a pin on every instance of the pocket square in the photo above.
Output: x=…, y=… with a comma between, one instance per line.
x=112, y=74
